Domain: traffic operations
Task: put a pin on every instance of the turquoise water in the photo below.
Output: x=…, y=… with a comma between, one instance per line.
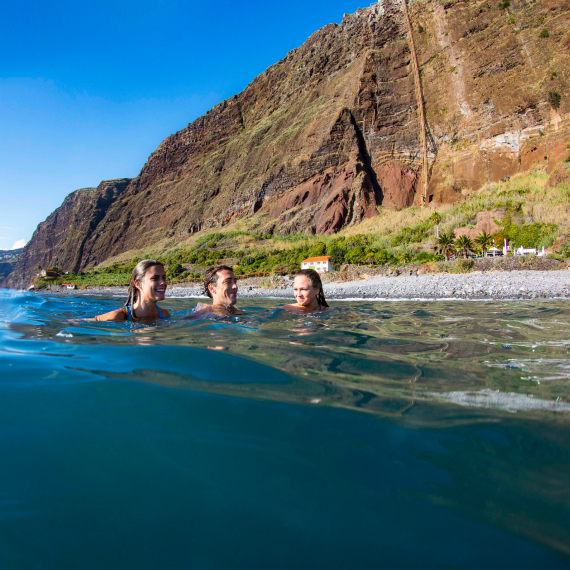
x=380, y=435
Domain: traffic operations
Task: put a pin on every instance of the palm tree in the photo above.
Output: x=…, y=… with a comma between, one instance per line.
x=446, y=244
x=436, y=219
x=464, y=244
x=484, y=240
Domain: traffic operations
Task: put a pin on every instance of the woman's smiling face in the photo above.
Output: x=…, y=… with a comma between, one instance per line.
x=305, y=293
x=153, y=284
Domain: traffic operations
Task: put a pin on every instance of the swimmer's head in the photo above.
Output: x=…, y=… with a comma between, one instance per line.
x=147, y=279
x=220, y=285
x=317, y=285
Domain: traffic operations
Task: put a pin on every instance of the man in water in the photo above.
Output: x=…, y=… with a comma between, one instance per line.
x=220, y=285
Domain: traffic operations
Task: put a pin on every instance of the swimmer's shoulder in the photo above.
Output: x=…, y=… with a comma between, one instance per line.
x=199, y=310
x=116, y=315
x=165, y=312
x=202, y=308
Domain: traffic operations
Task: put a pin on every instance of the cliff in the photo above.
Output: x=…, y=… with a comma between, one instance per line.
x=60, y=240
x=326, y=135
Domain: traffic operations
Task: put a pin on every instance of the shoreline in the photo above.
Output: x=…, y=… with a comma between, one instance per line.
x=476, y=285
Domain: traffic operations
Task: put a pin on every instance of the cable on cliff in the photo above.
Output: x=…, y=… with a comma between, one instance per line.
x=420, y=102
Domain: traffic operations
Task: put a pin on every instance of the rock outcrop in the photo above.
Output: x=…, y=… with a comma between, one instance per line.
x=60, y=240
x=486, y=222
x=330, y=133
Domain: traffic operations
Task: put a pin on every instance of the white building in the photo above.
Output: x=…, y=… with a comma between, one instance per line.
x=319, y=264
x=525, y=250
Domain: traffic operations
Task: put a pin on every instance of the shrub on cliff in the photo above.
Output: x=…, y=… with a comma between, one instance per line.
x=527, y=235
x=174, y=270
x=425, y=257
x=415, y=234
x=383, y=257
x=337, y=255
x=317, y=249
x=554, y=99
x=356, y=255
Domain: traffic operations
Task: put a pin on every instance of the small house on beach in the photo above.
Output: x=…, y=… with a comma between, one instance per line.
x=48, y=274
x=319, y=264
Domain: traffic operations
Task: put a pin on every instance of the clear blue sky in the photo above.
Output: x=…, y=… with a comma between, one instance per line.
x=89, y=89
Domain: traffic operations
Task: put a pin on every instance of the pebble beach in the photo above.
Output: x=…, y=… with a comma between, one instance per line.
x=475, y=285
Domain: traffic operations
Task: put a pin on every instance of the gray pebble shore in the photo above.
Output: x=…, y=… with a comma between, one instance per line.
x=474, y=286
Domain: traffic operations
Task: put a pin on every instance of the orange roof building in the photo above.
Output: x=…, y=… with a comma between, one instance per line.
x=319, y=264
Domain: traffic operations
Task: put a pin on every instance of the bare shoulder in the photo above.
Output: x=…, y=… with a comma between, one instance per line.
x=291, y=308
x=165, y=312
x=202, y=308
x=117, y=315
x=199, y=310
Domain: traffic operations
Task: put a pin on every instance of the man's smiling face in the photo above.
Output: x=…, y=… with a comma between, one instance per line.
x=224, y=292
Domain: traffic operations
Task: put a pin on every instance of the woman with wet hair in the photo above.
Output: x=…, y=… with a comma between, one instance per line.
x=147, y=287
x=308, y=291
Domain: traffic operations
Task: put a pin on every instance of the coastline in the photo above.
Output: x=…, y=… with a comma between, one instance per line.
x=476, y=285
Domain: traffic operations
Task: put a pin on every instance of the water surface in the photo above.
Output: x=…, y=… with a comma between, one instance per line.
x=395, y=435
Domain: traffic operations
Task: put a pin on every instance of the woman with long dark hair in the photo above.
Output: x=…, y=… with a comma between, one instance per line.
x=308, y=291
x=147, y=287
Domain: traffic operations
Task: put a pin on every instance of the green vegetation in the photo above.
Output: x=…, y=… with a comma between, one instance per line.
x=461, y=266
x=464, y=244
x=414, y=234
x=544, y=33
x=554, y=99
x=446, y=245
x=484, y=241
x=529, y=214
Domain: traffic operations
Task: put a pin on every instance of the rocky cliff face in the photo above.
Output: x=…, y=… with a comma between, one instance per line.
x=325, y=136
x=490, y=75
x=61, y=239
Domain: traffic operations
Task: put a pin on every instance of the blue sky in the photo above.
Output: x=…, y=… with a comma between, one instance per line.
x=89, y=89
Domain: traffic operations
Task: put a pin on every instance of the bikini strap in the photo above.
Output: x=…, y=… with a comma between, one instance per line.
x=160, y=313
x=129, y=316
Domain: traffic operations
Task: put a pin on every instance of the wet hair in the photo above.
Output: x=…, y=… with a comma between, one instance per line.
x=137, y=275
x=211, y=277
x=316, y=282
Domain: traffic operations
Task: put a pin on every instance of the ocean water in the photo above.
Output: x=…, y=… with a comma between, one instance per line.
x=378, y=435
